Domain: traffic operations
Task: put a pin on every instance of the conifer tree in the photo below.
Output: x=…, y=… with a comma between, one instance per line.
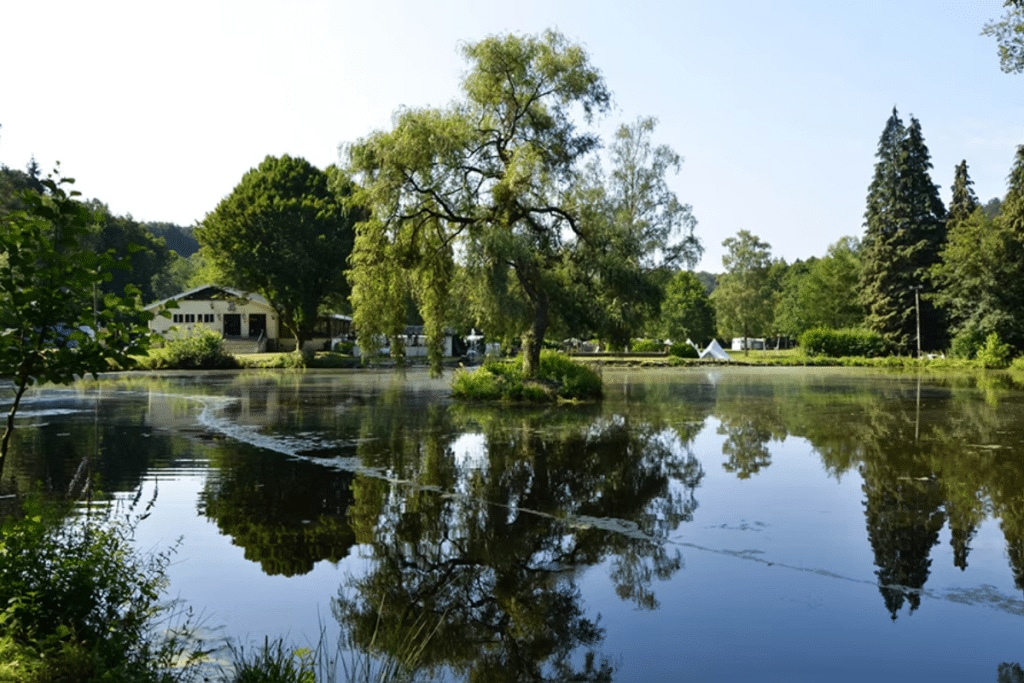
x=964, y=201
x=1009, y=271
x=904, y=232
x=965, y=277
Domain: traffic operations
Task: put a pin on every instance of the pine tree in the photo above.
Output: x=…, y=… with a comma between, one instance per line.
x=905, y=231
x=1009, y=269
x=966, y=286
x=964, y=201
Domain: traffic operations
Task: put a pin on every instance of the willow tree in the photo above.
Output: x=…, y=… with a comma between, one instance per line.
x=476, y=202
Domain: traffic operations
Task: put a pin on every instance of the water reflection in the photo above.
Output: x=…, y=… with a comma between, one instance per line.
x=468, y=532
x=930, y=455
x=489, y=570
x=286, y=515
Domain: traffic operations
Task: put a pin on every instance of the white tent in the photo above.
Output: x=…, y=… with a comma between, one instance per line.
x=715, y=351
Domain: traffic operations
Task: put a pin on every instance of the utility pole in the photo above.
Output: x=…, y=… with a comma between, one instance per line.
x=917, y=309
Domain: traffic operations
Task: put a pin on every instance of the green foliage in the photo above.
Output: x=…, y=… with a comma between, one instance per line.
x=285, y=231
x=687, y=311
x=823, y=341
x=637, y=231
x=905, y=230
x=1009, y=34
x=560, y=377
x=994, y=354
x=489, y=206
x=143, y=256
x=821, y=292
x=273, y=663
x=201, y=349
x=82, y=604
x=53, y=326
x=967, y=342
x=744, y=297
x=683, y=350
x=646, y=345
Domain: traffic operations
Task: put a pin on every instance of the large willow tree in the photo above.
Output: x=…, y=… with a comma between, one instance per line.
x=487, y=206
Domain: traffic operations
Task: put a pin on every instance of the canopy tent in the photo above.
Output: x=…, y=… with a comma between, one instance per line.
x=715, y=352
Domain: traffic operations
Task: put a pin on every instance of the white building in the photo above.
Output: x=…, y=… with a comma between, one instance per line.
x=237, y=316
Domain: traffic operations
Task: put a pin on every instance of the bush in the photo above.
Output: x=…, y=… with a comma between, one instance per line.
x=199, y=350
x=683, y=350
x=646, y=346
x=81, y=604
x=558, y=377
x=994, y=354
x=576, y=381
x=967, y=342
x=823, y=341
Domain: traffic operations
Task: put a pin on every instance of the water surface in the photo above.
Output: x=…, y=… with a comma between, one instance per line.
x=697, y=524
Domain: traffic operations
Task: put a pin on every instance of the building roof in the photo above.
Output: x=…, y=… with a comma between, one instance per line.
x=210, y=292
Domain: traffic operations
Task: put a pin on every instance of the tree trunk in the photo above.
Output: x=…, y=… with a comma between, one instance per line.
x=533, y=339
x=5, y=443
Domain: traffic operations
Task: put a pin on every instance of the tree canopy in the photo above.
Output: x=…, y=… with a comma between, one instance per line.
x=904, y=233
x=491, y=202
x=744, y=297
x=822, y=292
x=687, y=311
x=284, y=232
x=1009, y=34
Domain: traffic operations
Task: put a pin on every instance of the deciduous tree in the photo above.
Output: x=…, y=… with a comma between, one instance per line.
x=52, y=327
x=744, y=298
x=638, y=232
x=286, y=233
x=687, y=311
x=490, y=176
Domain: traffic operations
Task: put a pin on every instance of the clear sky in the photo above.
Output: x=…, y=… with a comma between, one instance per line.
x=159, y=108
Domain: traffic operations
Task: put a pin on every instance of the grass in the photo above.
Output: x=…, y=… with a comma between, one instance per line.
x=560, y=378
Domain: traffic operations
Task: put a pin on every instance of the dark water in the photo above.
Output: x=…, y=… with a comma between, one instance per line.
x=697, y=525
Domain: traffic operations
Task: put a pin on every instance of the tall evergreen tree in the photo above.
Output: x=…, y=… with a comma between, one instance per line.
x=904, y=232
x=965, y=277
x=964, y=201
x=1009, y=270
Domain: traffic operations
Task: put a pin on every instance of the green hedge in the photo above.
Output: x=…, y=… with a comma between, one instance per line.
x=683, y=350
x=823, y=341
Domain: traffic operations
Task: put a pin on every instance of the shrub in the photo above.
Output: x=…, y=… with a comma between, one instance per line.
x=80, y=603
x=558, y=377
x=967, y=342
x=823, y=341
x=683, y=350
x=646, y=346
x=199, y=350
x=575, y=380
x=994, y=354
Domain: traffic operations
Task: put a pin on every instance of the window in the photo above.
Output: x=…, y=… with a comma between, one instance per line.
x=208, y=317
x=177, y=318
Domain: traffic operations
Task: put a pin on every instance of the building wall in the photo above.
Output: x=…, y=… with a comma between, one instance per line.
x=209, y=314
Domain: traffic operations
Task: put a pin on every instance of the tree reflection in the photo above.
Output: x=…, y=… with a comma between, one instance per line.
x=287, y=515
x=485, y=574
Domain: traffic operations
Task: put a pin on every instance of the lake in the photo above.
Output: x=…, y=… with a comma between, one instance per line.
x=699, y=524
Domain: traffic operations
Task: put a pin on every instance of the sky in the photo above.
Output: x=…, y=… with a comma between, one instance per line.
x=158, y=108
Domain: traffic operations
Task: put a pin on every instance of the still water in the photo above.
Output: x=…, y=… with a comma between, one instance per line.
x=722, y=524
